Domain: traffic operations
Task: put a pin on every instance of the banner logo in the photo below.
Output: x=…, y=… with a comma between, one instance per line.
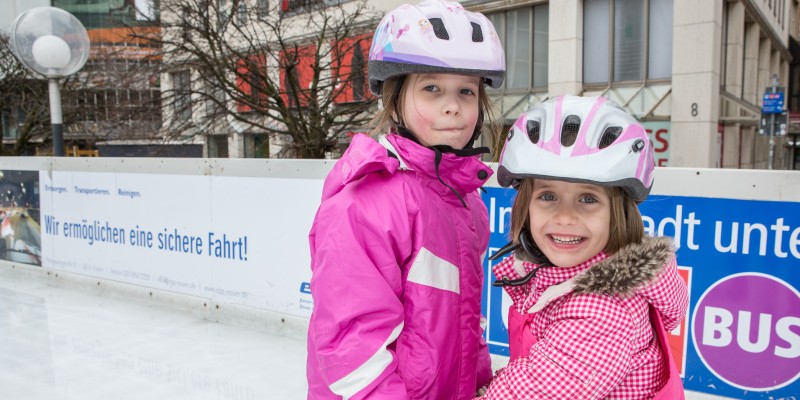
x=746, y=330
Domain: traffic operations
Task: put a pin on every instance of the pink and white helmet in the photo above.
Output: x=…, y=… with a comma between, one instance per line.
x=579, y=139
x=435, y=37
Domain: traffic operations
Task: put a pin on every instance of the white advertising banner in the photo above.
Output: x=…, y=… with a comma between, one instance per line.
x=231, y=239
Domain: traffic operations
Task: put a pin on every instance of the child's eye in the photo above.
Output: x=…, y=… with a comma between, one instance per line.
x=588, y=199
x=467, y=91
x=547, y=196
x=430, y=88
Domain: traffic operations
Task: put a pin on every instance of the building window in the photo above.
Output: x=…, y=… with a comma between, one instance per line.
x=357, y=73
x=258, y=94
x=290, y=79
x=349, y=67
x=256, y=145
x=288, y=6
x=222, y=13
x=627, y=40
x=95, y=14
x=242, y=12
x=218, y=146
x=215, y=102
x=11, y=120
x=524, y=35
x=659, y=65
x=101, y=105
x=297, y=75
x=251, y=73
x=181, y=83
x=262, y=9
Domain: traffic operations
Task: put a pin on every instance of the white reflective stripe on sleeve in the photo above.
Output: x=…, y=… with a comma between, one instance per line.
x=357, y=380
x=430, y=270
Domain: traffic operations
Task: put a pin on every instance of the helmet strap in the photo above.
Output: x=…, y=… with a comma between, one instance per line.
x=467, y=151
x=531, y=251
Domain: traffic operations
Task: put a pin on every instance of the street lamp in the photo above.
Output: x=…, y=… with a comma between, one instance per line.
x=54, y=44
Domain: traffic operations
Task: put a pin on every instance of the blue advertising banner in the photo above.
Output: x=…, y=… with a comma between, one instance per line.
x=741, y=260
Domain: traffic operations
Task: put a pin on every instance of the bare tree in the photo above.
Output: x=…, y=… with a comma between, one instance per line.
x=23, y=104
x=296, y=73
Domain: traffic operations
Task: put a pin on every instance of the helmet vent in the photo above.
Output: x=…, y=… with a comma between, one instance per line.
x=569, y=131
x=439, y=29
x=477, y=32
x=533, y=131
x=609, y=136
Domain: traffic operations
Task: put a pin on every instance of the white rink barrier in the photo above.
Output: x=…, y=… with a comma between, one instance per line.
x=227, y=240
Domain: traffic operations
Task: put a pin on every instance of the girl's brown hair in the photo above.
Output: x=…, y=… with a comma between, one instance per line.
x=391, y=115
x=626, y=225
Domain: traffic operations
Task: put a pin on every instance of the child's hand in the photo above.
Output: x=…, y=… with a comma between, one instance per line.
x=482, y=391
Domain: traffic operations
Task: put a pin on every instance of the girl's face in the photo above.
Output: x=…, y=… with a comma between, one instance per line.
x=569, y=221
x=441, y=108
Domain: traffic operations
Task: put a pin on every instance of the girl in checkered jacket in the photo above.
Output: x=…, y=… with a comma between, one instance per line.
x=592, y=296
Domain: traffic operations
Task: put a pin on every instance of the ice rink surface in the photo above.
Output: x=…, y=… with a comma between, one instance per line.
x=64, y=344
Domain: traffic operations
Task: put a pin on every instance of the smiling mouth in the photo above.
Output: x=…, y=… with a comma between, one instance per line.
x=566, y=239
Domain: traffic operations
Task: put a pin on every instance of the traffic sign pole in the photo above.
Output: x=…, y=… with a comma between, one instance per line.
x=772, y=104
x=771, y=136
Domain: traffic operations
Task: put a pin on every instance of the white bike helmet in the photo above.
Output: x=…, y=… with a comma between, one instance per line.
x=435, y=37
x=579, y=139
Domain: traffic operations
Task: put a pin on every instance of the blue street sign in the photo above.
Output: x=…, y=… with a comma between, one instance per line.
x=773, y=103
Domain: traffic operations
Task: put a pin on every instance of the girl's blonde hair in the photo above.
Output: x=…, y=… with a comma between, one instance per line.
x=626, y=225
x=391, y=115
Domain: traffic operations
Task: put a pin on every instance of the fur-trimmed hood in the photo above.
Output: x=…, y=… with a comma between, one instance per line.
x=632, y=267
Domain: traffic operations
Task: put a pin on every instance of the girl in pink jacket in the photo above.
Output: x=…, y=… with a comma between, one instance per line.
x=398, y=241
x=592, y=296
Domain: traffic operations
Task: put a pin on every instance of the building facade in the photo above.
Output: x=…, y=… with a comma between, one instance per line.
x=693, y=72
x=116, y=102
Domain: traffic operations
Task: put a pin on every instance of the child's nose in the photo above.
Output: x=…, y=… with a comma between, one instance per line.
x=451, y=107
x=565, y=215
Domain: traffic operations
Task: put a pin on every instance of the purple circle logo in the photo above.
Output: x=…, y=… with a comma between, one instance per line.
x=746, y=329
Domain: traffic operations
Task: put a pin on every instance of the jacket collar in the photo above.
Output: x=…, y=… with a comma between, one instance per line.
x=631, y=268
x=464, y=174
x=621, y=274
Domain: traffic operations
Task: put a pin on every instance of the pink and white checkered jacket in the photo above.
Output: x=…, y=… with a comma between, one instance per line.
x=585, y=332
x=397, y=276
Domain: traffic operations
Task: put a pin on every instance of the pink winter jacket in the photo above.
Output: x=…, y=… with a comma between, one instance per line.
x=397, y=276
